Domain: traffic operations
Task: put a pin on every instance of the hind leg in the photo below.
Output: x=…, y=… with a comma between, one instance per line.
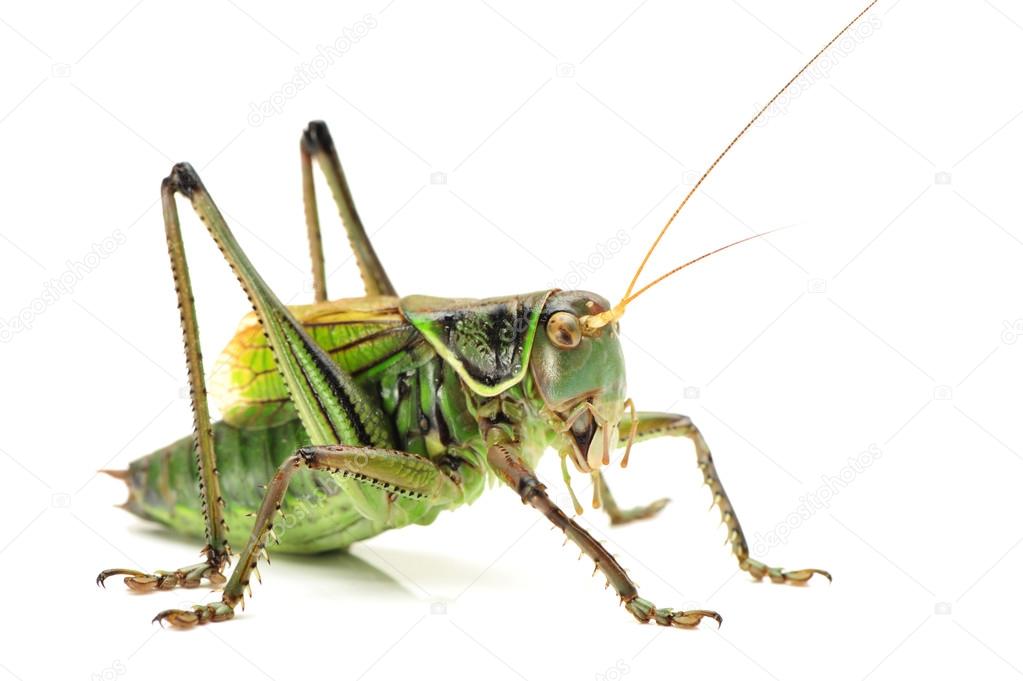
x=217, y=550
x=188, y=577
x=333, y=409
x=317, y=144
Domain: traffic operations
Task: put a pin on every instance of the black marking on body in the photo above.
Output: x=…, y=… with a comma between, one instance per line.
x=330, y=373
x=372, y=336
x=428, y=419
x=488, y=340
x=443, y=432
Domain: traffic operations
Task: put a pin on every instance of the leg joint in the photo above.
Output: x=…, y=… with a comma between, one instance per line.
x=183, y=179
x=317, y=138
x=307, y=456
x=683, y=422
x=529, y=487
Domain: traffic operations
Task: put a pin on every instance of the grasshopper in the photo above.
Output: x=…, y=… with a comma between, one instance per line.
x=367, y=414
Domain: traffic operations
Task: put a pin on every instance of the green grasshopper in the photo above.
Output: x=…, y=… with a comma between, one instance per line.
x=368, y=414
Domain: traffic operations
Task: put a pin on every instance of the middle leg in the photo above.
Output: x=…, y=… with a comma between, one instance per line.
x=504, y=459
x=400, y=473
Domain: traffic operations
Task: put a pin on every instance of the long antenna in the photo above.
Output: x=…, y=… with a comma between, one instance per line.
x=632, y=284
x=695, y=260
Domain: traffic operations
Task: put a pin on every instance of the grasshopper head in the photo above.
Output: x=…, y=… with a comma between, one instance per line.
x=580, y=375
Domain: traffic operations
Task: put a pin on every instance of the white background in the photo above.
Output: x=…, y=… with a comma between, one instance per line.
x=886, y=317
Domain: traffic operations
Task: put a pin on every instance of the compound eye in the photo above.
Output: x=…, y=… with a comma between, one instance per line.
x=564, y=330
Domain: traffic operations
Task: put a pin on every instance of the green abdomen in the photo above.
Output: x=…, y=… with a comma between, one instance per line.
x=164, y=486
